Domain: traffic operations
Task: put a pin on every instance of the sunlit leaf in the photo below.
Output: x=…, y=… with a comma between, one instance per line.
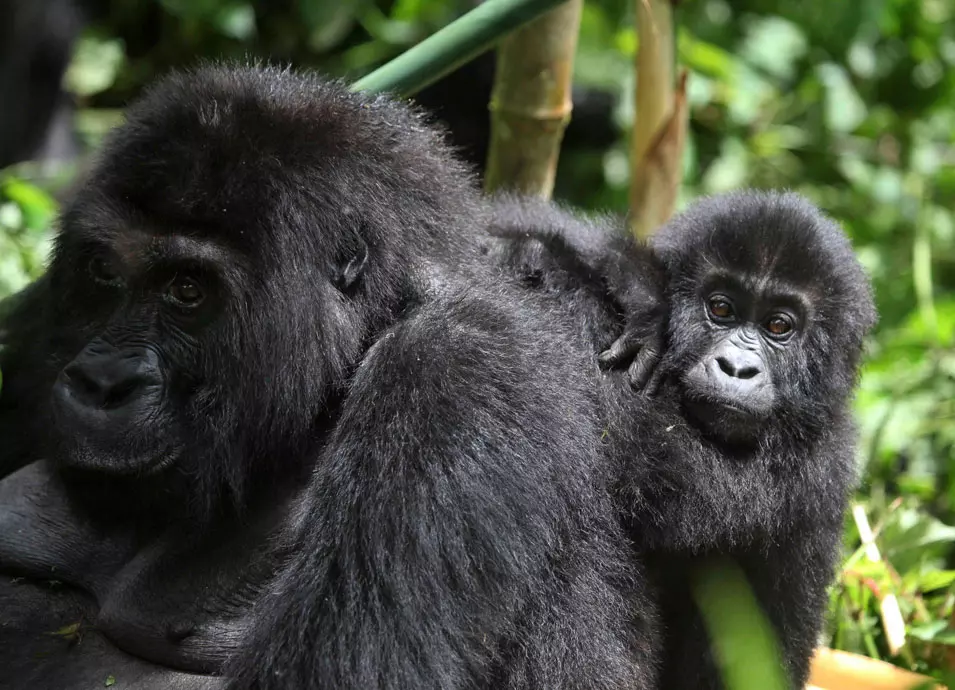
x=96, y=62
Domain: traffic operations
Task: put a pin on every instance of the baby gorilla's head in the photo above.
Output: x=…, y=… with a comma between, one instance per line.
x=768, y=310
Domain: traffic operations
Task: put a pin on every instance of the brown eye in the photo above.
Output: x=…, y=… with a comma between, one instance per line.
x=186, y=292
x=779, y=324
x=720, y=307
x=103, y=271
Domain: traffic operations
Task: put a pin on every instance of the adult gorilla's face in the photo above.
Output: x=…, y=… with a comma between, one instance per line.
x=216, y=280
x=124, y=403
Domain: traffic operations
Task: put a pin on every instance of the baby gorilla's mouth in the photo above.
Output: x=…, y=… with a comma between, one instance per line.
x=725, y=420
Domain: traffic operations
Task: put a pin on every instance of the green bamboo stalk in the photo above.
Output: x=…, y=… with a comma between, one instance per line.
x=744, y=642
x=459, y=42
x=531, y=103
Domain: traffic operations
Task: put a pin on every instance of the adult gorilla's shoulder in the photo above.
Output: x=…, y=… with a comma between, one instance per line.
x=269, y=323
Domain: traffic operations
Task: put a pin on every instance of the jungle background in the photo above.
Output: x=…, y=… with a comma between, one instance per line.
x=850, y=103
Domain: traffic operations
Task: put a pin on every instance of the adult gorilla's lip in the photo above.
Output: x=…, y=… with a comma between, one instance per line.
x=87, y=456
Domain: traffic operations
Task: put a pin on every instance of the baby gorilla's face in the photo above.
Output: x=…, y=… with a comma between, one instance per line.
x=739, y=332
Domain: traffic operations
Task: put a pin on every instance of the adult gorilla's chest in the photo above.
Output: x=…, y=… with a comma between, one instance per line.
x=80, y=601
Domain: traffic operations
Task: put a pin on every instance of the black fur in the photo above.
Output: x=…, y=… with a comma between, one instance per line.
x=400, y=453
x=694, y=481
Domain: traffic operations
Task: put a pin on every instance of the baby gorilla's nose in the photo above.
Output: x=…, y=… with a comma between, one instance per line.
x=740, y=364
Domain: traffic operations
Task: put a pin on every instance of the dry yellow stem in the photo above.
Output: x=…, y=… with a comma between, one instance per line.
x=838, y=670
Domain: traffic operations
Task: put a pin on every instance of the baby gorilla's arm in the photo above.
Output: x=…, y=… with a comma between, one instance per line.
x=605, y=276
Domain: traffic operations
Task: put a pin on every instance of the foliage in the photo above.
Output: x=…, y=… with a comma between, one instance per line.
x=851, y=103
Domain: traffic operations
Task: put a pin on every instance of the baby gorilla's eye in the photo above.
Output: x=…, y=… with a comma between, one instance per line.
x=103, y=271
x=186, y=292
x=779, y=324
x=720, y=307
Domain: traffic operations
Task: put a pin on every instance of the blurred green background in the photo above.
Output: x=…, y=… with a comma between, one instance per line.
x=850, y=103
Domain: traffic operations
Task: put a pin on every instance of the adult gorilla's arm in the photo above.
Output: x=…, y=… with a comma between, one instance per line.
x=458, y=480
x=43, y=536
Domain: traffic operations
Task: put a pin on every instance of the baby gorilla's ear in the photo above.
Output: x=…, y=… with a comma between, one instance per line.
x=350, y=264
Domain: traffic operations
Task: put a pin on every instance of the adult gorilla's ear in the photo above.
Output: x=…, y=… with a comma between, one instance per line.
x=350, y=264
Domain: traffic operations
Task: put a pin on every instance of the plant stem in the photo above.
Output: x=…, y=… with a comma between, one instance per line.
x=656, y=147
x=457, y=43
x=531, y=102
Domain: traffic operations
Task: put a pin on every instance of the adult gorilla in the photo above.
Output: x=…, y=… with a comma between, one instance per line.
x=756, y=309
x=272, y=367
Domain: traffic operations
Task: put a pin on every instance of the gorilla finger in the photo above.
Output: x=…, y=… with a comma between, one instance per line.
x=653, y=384
x=621, y=351
x=643, y=367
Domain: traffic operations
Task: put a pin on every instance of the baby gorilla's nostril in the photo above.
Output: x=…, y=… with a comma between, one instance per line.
x=746, y=372
x=726, y=366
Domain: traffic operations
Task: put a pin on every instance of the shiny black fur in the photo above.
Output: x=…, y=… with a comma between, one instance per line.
x=773, y=499
x=362, y=462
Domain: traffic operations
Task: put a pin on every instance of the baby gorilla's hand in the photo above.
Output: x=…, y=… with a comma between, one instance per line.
x=638, y=349
x=636, y=279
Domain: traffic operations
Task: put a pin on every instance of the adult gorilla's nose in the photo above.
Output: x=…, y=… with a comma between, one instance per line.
x=108, y=379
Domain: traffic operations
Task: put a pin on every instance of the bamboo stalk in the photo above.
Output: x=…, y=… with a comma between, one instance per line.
x=531, y=102
x=656, y=148
x=457, y=43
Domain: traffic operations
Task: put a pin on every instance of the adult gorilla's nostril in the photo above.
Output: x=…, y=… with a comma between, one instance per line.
x=80, y=383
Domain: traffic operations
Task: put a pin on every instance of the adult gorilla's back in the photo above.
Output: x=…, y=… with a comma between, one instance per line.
x=290, y=269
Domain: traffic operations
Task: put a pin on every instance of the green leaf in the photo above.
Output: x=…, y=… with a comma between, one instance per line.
x=745, y=645
x=774, y=44
x=936, y=579
x=236, y=21
x=37, y=206
x=95, y=64
x=844, y=109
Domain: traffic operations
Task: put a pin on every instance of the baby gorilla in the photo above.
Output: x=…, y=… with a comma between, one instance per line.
x=758, y=309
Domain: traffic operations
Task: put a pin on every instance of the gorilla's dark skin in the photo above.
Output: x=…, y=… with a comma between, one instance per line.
x=293, y=414
x=746, y=450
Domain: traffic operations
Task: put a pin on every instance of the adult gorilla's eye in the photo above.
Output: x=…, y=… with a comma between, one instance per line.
x=103, y=270
x=186, y=292
x=779, y=325
x=720, y=307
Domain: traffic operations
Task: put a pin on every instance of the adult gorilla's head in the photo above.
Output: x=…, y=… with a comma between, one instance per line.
x=243, y=236
x=769, y=308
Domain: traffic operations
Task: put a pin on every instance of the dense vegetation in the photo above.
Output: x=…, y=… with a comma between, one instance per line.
x=851, y=103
